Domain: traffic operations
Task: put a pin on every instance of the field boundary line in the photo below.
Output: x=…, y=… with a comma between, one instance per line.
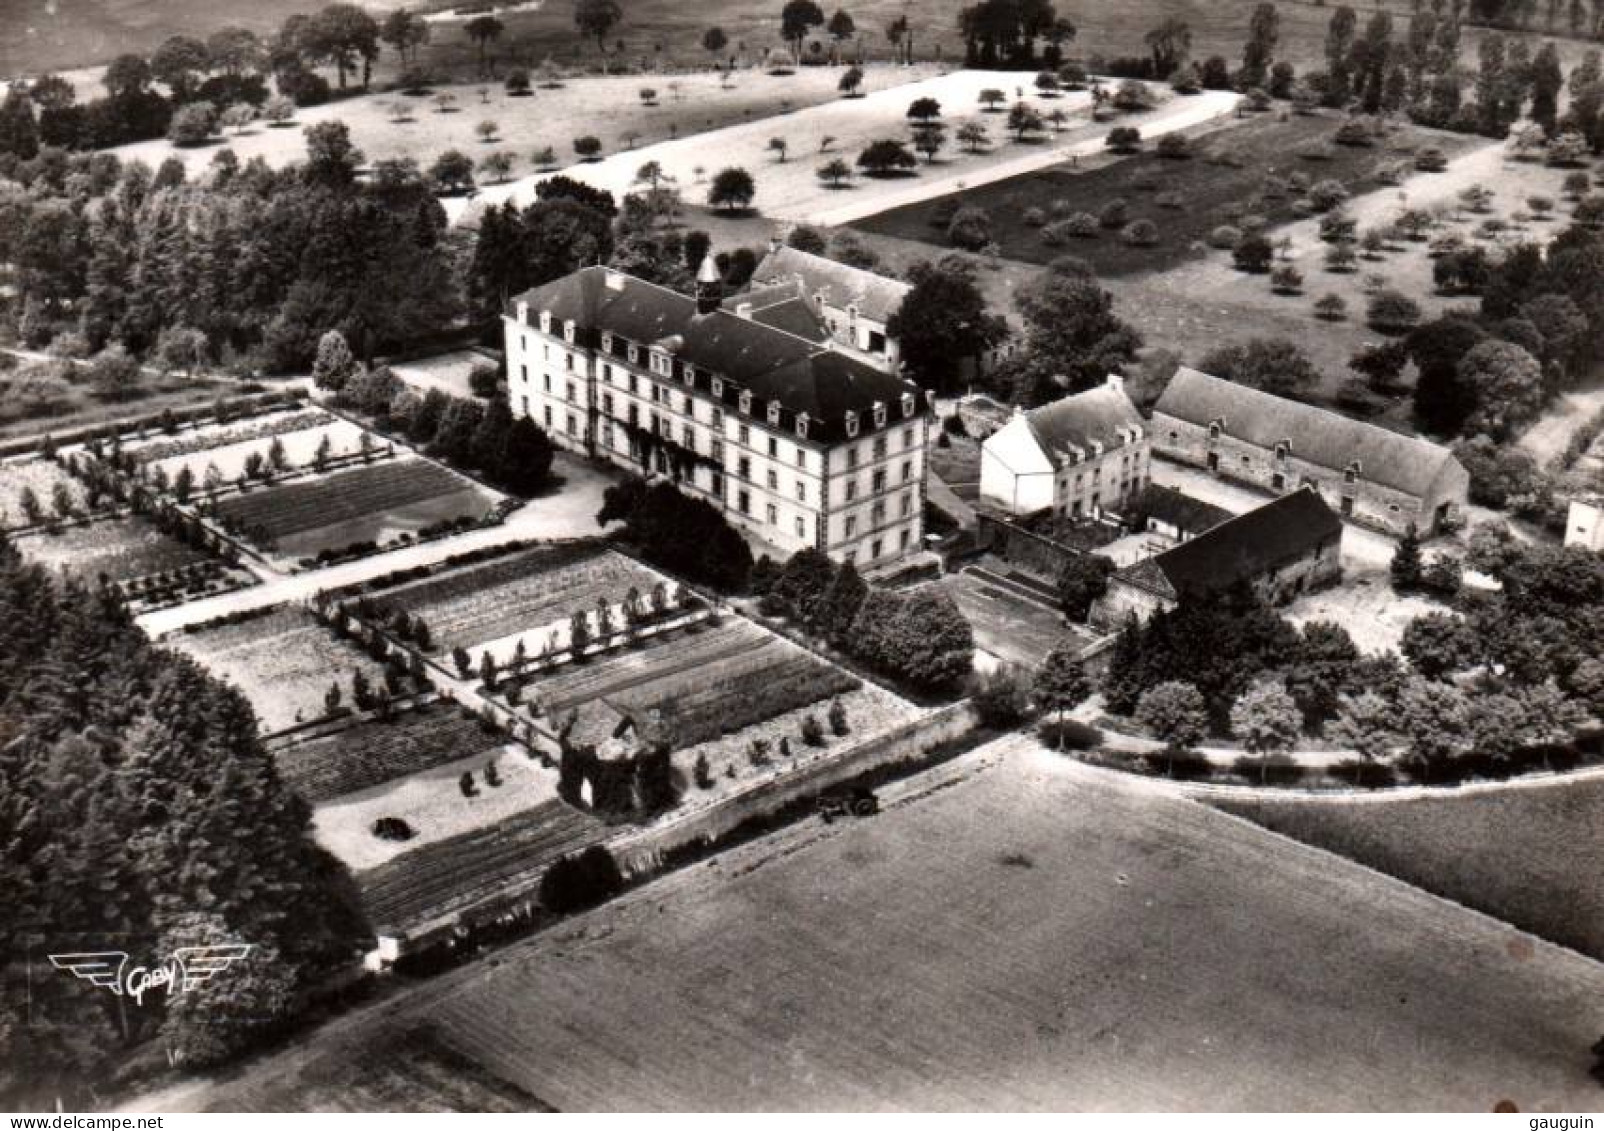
x=1391, y=879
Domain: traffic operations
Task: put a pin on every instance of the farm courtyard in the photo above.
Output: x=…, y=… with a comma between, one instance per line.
x=1004, y=909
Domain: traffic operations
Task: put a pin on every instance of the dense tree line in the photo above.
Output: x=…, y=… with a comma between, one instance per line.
x=687, y=536
x=917, y=638
x=140, y=812
x=1006, y=32
x=1072, y=338
x=259, y=261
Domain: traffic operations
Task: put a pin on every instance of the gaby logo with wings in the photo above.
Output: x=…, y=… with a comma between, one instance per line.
x=187, y=968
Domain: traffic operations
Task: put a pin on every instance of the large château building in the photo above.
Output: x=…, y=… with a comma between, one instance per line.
x=799, y=443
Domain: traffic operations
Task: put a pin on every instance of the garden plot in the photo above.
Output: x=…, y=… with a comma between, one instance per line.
x=432, y=804
x=119, y=549
x=371, y=752
x=207, y=437
x=530, y=590
x=42, y=479
x=364, y=504
x=435, y=879
x=300, y=448
x=283, y=662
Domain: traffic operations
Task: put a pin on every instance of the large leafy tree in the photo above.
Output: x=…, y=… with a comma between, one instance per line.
x=343, y=36
x=597, y=18
x=944, y=322
x=797, y=18
x=1265, y=719
x=405, y=31
x=1276, y=365
x=1061, y=685
x=920, y=638
x=1072, y=335
x=1175, y=714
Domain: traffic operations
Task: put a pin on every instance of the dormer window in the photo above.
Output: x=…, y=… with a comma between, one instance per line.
x=879, y=414
x=545, y=321
x=852, y=423
x=523, y=313
x=1214, y=429
x=802, y=425
x=634, y=354
x=568, y=331
x=662, y=364
x=689, y=373
x=1351, y=475
x=907, y=404
x=717, y=387
x=774, y=413
x=1282, y=450
x=607, y=342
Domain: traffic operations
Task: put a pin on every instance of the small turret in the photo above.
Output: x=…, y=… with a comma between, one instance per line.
x=709, y=286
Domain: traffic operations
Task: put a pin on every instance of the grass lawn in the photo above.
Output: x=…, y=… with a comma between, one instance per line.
x=300, y=448
x=1530, y=855
x=119, y=548
x=1037, y=936
x=1229, y=168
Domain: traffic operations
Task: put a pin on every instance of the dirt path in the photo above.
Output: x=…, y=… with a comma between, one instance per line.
x=1549, y=436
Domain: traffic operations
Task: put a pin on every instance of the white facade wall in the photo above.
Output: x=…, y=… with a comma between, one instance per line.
x=860, y=500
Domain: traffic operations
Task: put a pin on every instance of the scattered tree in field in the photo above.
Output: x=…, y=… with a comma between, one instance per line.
x=487, y=130
x=1024, y=120
x=797, y=18
x=406, y=32
x=1392, y=312
x=484, y=30
x=835, y=172
x=193, y=124
x=452, y=172
x=973, y=136
x=587, y=147
x=496, y=167
x=732, y=188
x=992, y=99
x=714, y=41
x=1266, y=720
x=1174, y=713
x=596, y=19
x=1061, y=685
x=851, y=81
x=778, y=146
x=1275, y=365
x=885, y=157
x=1124, y=139
x=1331, y=308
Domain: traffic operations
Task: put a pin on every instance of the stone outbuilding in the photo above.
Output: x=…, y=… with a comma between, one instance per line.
x=1371, y=475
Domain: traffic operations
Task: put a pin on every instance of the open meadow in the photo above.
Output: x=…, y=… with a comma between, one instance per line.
x=1038, y=935
x=1529, y=854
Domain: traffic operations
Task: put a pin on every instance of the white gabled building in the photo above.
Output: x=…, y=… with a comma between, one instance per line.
x=1078, y=456
x=801, y=443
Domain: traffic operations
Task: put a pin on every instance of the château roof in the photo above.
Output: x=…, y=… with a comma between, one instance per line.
x=1326, y=439
x=769, y=362
x=876, y=296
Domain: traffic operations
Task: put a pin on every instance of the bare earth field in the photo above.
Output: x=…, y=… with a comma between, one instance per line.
x=1040, y=935
x=121, y=549
x=1530, y=855
x=34, y=400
